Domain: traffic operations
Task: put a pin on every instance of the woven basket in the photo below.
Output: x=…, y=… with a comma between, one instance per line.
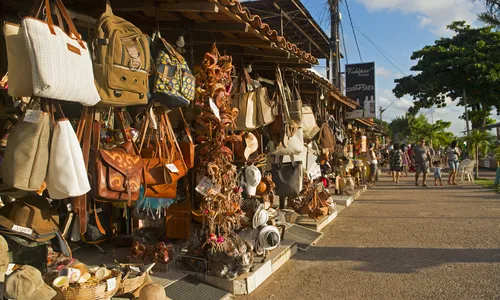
x=130, y=285
x=90, y=292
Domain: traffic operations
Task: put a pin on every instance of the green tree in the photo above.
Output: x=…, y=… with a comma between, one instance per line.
x=399, y=128
x=414, y=128
x=492, y=14
x=384, y=126
x=468, y=60
x=479, y=142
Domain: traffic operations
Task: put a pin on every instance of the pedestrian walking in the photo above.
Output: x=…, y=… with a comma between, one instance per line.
x=437, y=173
x=396, y=162
x=453, y=153
x=406, y=159
x=422, y=158
x=372, y=158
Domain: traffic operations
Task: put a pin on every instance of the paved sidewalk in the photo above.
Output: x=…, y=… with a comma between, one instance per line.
x=401, y=242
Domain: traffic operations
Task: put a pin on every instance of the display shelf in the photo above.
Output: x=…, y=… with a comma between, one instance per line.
x=247, y=283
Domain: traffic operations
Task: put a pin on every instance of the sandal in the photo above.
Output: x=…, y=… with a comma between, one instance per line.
x=424, y=185
x=416, y=184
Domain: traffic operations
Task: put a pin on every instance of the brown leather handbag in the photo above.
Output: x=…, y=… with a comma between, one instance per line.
x=118, y=172
x=164, y=167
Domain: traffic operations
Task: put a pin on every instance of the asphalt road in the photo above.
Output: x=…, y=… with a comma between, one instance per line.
x=399, y=241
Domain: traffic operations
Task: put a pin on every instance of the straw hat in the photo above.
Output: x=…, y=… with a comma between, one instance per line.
x=153, y=291
x=269, y=237
x=260, y=217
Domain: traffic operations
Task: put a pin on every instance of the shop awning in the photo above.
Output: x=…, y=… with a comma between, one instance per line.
x=201, y=22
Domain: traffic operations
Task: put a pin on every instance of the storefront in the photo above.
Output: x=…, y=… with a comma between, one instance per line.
x=179, y=133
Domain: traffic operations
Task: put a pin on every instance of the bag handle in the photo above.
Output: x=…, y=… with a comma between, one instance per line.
x=186, y=127
x=64, y=12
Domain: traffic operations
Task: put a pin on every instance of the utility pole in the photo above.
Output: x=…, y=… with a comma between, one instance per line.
x=466, y=113
x=334, y=41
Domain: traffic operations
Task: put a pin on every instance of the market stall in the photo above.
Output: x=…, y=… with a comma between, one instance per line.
x=173, y=130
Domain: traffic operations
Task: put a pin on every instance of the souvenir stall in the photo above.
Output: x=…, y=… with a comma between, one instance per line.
x=175, y=152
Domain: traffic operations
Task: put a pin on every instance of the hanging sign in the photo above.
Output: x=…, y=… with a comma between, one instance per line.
x=363, y=144
x=360, y=86
x=355, y=114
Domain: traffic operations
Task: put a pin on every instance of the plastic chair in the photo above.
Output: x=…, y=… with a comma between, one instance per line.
x=469, y=171
x=461, y=168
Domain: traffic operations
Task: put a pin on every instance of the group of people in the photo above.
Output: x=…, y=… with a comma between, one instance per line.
x=419, y=158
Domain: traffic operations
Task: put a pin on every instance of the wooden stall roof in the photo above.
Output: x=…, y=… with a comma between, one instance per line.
x=366, y=122
x=294, y=22
x=233, y=27
x=333, y=91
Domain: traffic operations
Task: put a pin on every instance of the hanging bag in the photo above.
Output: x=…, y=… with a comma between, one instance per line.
x=245, y=99
x=187, y=146
x=67, y=173
x=291, y=138
x=326, y=140
x=19, y=66
x=118, y=172
x=309, y=126
x=60, y=62
x=174, y=81
x=288, y=177
x=121, y=61
x=26, y=156
x=295, y=105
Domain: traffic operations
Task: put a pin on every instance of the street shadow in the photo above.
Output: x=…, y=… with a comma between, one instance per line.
x=398, y=260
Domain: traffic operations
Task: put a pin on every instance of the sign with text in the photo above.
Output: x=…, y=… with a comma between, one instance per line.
x=360, y=86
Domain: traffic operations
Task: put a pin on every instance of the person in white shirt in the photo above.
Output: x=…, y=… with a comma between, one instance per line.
x=372, y=159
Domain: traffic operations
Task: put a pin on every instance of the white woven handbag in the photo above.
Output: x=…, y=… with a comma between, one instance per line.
x=61, y=64
x=66, y=175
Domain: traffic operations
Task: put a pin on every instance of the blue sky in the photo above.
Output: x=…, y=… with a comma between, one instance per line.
x=398, y=27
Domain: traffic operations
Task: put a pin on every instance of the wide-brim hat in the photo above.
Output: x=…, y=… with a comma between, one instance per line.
x=153, y=291
x=30, y=217
x=260, y=217
x=252, y=145
x=269, y=237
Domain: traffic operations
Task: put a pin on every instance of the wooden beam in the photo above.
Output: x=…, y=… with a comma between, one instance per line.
x=221, y=27
x=149, y=6
x=291, y=21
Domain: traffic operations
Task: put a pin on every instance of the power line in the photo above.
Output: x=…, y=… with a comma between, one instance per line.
x=387, y=57
x=353, y=31
x=343, y=42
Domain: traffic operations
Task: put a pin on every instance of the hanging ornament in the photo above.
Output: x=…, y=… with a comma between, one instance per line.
x=180, y=41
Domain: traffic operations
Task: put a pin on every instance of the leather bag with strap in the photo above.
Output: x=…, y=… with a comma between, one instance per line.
x=326, y=139
x=160, y=178
x=288, y=177
x=122, y=61
x=174, y=82
x=118, y=172
x=291, y=139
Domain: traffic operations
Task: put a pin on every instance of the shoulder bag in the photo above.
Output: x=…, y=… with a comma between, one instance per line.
x=326, y=140
x=174, y=81
x=19, y=66
x=309, y=126
x=288, y=177
x=26, y=156
x=60, y=62
x=118, y=172
x=245, y=100
x=291, y=139
x=67, y=173
x=187, y=147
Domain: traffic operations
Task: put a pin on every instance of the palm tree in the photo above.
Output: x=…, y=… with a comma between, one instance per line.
x=479, y=142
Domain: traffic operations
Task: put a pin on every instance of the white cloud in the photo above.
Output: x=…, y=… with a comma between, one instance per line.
x=432, y=14
x=381, y=71
x=400, y=106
